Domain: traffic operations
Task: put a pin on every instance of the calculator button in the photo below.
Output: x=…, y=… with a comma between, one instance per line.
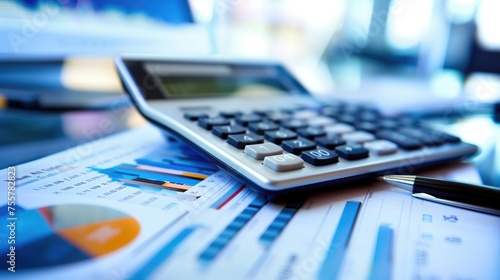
x=388, y=124
x=349, y=119
x=369, y=116
x=263, y=112
x=367, y=126
x=210, y=122
x=320, y=121
x=338, y=129
x=226, y=130
x=260, y=151
x=427, y=138
x=441, y=136
x=351, y=152
x=330, y=142
x=311, y=132
x=230, y=114
x=297, y=146
x=294, y=124
x=320, y=157
x=194, y=116
x=246, y=119
x=403, y=141
x=332, y=111
x=278, y=136
x=304, y=114
x=285, y=162
x=241, y=140
x=381, y=147
x=290, y=109
x=358, y=137
x=278, y=117
x=262, y=127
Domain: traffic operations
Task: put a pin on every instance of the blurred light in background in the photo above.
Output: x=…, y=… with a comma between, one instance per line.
x=488, y=22
x=447, y=84
x=407, y=23
x=346, y=39
x=461, y=11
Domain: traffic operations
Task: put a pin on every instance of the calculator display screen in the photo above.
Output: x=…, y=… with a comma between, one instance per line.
x=178, y=87
x=173, y=80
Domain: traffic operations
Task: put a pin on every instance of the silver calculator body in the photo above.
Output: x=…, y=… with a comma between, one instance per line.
x=218, y=105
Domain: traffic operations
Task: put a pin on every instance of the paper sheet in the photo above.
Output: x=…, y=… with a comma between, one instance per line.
x=160, y=211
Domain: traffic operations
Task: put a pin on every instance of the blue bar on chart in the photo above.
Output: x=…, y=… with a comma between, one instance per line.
x=228, y=196
x=382, y=258
x=335, y=255
x=164, y=254
x=213, y=250
x=280, y=222
x=153, y=178
x=180, y=158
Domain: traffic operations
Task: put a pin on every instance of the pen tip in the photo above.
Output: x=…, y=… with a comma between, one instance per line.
x=381, y=178
x=401, y=181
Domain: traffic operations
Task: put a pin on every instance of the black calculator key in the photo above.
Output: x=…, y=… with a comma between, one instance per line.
x=349, y=119
x=320, y=157
x=330, y=142
x=332, y=110
x=230, y=114
x=351, y=108
x=263, y=112
x=297, y=146
x=277, y=136
x=442, y=136
x=429, y=139
x=369, y=116
x=311, y=132
x=388, y=124
x=451, y=138
x=262, y=127
x=367, y=126
x=332, y=113
x=290, y=109
x=294, y=124
x=403, y=141
x=278, y=117
x=246, y=119
x=241, y=140
x=194, y=116
x=352, y=152
x=226, y=130
x=210, y=122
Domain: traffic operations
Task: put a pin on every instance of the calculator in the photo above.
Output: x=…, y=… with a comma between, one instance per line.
x=255, y=120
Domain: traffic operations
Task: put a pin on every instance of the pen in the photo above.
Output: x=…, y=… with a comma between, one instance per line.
x=474, y=197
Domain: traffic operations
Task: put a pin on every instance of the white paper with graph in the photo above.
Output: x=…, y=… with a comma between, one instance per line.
x=169, y=214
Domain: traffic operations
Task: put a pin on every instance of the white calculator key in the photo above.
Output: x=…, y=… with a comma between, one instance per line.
x=304, y=115
x=260, y=151
x=338, y=129
x=381, y=147
x=320, y=121
x=358, y=137
x=284, y=162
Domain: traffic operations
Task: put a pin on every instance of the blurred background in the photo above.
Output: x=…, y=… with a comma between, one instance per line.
x=435, y=59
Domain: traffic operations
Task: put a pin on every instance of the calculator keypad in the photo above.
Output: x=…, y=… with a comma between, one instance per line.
x=296, y=137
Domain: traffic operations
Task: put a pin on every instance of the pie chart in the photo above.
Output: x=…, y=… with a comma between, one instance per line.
x=64, y=234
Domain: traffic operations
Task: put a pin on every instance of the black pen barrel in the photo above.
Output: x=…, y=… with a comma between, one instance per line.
x=460, y=192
